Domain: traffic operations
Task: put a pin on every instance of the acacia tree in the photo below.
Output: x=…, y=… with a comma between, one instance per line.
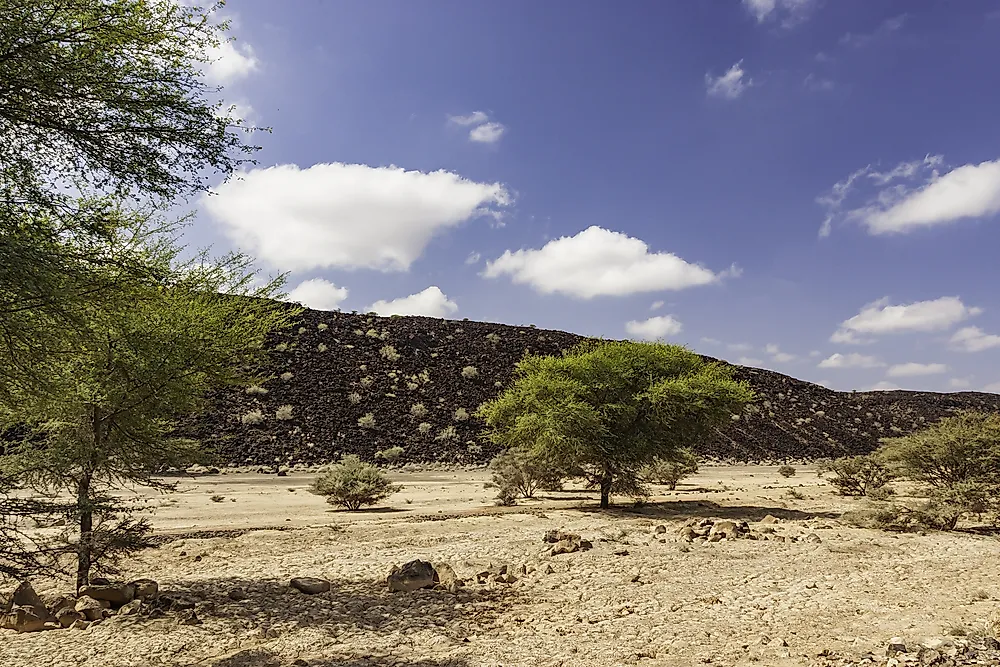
x=606, y=409
x=136, y=364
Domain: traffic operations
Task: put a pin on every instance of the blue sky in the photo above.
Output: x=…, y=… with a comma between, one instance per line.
x=810, y=186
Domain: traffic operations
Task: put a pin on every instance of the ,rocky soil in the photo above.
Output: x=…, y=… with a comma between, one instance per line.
x=334, y=359
x=728, y=570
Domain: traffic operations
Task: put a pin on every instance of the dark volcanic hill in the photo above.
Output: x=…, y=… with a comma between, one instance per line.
x=336, y=368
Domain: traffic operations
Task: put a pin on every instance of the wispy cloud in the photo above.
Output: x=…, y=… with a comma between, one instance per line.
x=789, y=12
x=885, y=28
x=482, y=129
x=729, y=85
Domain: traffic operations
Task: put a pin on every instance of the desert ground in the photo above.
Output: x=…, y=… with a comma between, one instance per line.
x=810, y=590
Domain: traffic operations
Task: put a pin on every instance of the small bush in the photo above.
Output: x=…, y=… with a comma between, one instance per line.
x=412, y=386
x=354, y=484
x=302, y=330
x=367, y=381
x=469, y=372
x=321, y=348
x=424, y=428
x=354, y=397
x=520, y=473
x=389, y=353
x=786, y=471
x=858, y=475
x=256, y=389
x=322, y=327
x=283, y=413
x=367, y=421
x=286, y=376
x=281, y=347
x=371, y=333
x=253, y=417
x=391, y=454
x=217, y=498
x=448, y=433
x=493, y=338
x=418, y=410
x=670, y=472
x=461, y=415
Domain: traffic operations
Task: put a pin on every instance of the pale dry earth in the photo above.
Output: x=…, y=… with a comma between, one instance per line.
x=636, y=598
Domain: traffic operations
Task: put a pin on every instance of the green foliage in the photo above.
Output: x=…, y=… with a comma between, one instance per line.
x=786, y=471
x=389, y=353
x=354, y=398
x=519, y=472
x=447, y=433
x=353, y=484
x=424, y=428
x=608, y=409
x=390, y=455
x=671, y=471
x=858, y=475
x=367, y=420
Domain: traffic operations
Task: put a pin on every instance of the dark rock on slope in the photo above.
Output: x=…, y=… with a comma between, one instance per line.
x=336, y=368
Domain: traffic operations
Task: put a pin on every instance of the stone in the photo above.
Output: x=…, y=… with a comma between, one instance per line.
x=188, y=617
x=812, y=538
x=548, y=569
x=131, y=608
x=80, y=625
x=25, y=611
x=564, y=547
x=310, y=585
x=236, y=594
x=61, y=602
x=554, y=536
x=67, y=616
x=114, y=594
x=896, y=645
x=92, y=610
x=687, y=534
x=727, y=528
x=769, y=519
x=446, y=577
x=659, y=530
x=412, y=576
x=145, y=589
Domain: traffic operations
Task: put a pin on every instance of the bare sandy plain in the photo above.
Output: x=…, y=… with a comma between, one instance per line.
x=815, y=592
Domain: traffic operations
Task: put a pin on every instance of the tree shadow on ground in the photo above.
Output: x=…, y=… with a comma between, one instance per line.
x=240, y=604
x=687, y=509
x=265, y=658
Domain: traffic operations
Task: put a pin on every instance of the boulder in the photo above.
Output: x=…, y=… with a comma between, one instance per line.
x=92, y=609
x=446, y=577
x=25, y=611
x=145, y=589
x=310, y=585
x=687, y=533
x=132, y=608
x=67, y=616
x=188, y=617
x=411, y=576
x=769, y=519
x=115, y=595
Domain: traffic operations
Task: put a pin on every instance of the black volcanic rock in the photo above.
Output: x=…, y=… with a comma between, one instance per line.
x=790, y=419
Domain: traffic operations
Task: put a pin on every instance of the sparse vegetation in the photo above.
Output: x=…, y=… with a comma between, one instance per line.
x=390, y=455
x=256, y=389
x=461, y=415
x=322, y=327
x=354, y=484
x=447, y=433
x=418, y=410
x=354, y=398
x=469, y=372
x=389, y=353
x=283, y=413
x=858, y=475
x=367, y=381
x=217, y=498
x=786, y=471
x=286, y=376
x=321, y=347
x=367, y=421
x=252, y=418
x=670, y=472
x=424, y=428
x=518, y=472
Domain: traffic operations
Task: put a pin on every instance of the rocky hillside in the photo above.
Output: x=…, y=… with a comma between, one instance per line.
x=361, y=384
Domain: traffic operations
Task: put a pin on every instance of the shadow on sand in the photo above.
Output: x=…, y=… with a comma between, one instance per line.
x=687, y=509
x=265, y=658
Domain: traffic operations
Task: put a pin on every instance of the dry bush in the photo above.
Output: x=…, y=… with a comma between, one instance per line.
x=859, y=475
x=390, y=455
x=367, y=421
x=671, y=471
x=786, y=471
x=353, y=484
x=283, y=413
x=520, y=472
x=253, y=417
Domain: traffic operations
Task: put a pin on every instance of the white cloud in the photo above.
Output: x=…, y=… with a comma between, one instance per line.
x=431, y=302
x=993, y=388
x=884, y=386
x=241, y=113
x=960, y=383
x=913, y=195
x=974, y=339
x=656, y=305
x=711, y=341
x=913, y=369
x=230, y=62
x=794, y=11
x=474, y=118
x=887, y=27
x=818, y=84
x=880, y=317
x=749, y=361
x=852, y=360
x=599, y=262
x=729, y=85
x=346, y=215
x=318, y=294
x=740, y=347
x=473, y=258
x=814, y=353
x=777, y=355
x=654, y=328
x=488, y=133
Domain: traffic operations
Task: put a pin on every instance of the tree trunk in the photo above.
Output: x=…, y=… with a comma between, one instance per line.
x=84, y=548
x=606, y=480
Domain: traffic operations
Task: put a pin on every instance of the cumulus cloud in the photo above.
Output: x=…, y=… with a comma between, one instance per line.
x=346, y=216
x=599, y=262
x=777, y=355
x=431, y=302
x=960, y=383
x=482, y=129
x=881, y=317
x=974, y=339
x=229, y=62
x=913, y=369
x=913, y=195
x=656, y=305
x=319, y=294
x=654, y=328
x=749, y=361
x=852, y=360
x=791, y=12
x=884, y=386
x=729, y=85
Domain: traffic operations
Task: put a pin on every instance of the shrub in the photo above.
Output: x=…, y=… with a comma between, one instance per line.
x=354, y=397
x=367, y=421
x=283, y=413
x=519, y=472
x=424, y=428
x=321, y=348
x=389, y=353
x=461, y=415
x=493, y=338
x=286, y=376
x=671, y=471
x=367, y=381
x=256, y=389
x=412, y=386
x=418, y=410
x=858, y=475
x=391, y=454
x=371, y=333
x=302, y=330
x=786, y=471
x=217, y=498
x=354, y=484
x=469, y=372
x=322, y=327
x=281, y=347
x=252, y=417
x=448, y=433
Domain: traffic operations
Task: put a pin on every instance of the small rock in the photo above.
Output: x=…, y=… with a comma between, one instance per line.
x=80, y=625
x=310, y=585
x=411, y=576
x=114, y=594
x=67, y=616
x=145, y=589
x=564, y=547
x=687, y=533
x=812, y=538
x=446, y=577
x=896, y=645
x=188, y=617
x=769, y=519
x=547, y=569
x=236, y=594
x=727, y=528
x=92, y=610
x=659, y=530
x=131, y=608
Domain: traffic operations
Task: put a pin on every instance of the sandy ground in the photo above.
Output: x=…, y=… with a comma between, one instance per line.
x=637, y=598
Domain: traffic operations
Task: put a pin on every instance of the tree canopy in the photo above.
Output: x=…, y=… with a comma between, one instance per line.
x=605, y=409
